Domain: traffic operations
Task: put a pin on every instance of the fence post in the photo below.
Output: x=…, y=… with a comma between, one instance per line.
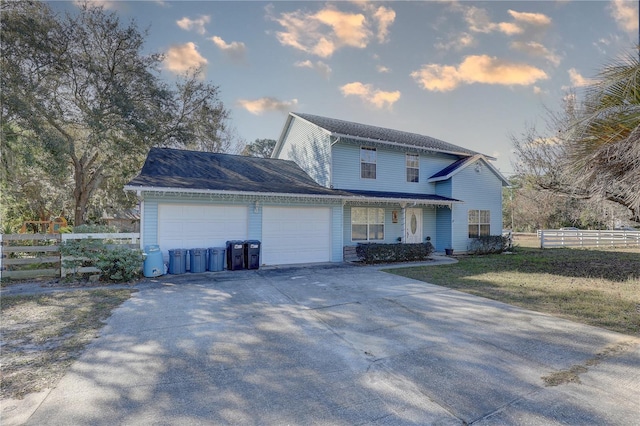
x=541, y=238
x=1, y=255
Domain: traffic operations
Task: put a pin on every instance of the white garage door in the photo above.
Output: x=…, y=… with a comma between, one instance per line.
x=295, y=235
x=189, y=226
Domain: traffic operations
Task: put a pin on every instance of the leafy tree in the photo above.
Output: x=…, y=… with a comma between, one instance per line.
x=260, y=148
x=93, y=102
x=590, y=150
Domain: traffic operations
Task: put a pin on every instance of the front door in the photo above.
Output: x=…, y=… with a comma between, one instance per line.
x=413, y=226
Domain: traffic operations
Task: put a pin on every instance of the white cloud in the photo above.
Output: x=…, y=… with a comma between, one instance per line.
x=537, y=49
x=323, y=32
x=385, y=17
x=196, y=25
x=577, y=80
x=625, y=13
x=382, y=69
x=369, y=94
x=235, y=50
x=107, y=4
x=182, y=57
x=457, y=42
x=476, y=69
x=479, y=21
x=319, y=66
x=266, y=104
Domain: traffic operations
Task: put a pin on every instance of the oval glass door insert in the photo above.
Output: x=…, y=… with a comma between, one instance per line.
x=414, y=223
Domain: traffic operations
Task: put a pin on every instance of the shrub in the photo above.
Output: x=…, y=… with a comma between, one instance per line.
x=489, y=244
x=120, y=264
x=383, y=253
x=89, y=228
x=115, y=263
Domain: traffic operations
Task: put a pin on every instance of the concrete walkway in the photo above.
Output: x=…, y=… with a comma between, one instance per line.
x=340, y=345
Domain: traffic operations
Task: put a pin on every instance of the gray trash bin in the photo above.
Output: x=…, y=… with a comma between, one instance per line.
x=177, y=261
x=198, y=260
x=153, y=265
x=216, y=259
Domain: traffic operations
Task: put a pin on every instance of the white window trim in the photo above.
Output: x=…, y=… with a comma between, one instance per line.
x=406, y=163
x=368, y=224
x=480, y=223
x=364, y=162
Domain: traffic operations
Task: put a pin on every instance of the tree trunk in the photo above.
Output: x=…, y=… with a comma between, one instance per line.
x=86, y=182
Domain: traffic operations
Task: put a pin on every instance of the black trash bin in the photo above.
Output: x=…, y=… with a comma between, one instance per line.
x=216, y=259
x=198, y=260
x=252, y=254
x=235, y=255
x=177, y=261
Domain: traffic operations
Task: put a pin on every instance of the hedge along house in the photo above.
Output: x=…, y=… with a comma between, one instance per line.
x=407, y=187
x=198, y=200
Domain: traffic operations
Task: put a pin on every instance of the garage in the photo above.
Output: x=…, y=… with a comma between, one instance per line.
x=296, y=235
x=199, y=225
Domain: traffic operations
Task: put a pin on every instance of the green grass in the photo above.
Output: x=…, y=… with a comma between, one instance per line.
x=42, y=335
x=596, y=287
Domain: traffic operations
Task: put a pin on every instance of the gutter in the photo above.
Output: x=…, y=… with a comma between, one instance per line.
x=352, y=198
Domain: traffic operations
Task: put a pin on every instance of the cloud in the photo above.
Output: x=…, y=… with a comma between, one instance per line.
x=319, y=66
x=323, y=32
x=577, y=80
x=625, y=13
x=258, y=106
x=197, y=25
x=367, y=93
x=235, y=50
x=107, y=4
x=182, y=57
x=382, y=69
x=536, y=49
x=479, y=21
x=476, y=69
x=385, y=17
x=457, y=42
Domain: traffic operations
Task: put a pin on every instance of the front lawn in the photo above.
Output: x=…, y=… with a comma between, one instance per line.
x=596, y=287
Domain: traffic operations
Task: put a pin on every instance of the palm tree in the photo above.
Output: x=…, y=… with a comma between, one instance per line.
x=604, y=141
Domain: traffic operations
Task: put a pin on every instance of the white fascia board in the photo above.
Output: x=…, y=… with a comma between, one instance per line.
x=407, y=201
x=285, y=129
x=467, y=164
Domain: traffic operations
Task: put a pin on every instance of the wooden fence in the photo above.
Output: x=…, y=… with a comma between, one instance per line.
x=554, y=238
x=24, y=256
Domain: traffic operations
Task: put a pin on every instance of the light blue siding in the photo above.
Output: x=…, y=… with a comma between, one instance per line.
x=443, y=188
x=336, y=234
x=150, y=223
x=391, y=171
x=480, y=191
x=443, y=229
x=429, y=217
x=254, y=229
x=309, y=147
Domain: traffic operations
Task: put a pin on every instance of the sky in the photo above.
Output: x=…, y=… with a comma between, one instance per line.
x=469, y=73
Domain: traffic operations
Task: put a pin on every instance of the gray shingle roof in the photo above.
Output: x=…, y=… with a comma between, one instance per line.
x=181, y=169
x=382, y=134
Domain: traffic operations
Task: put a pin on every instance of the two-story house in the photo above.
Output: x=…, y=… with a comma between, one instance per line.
x=329, y=185
x=411, y=187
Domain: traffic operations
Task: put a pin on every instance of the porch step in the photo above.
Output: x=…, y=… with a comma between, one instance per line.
x=349, y=254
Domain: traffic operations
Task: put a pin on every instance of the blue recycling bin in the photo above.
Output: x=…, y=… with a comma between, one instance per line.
x=216, y=259
x=177, y=261
x=153, y=265
x=198, y=260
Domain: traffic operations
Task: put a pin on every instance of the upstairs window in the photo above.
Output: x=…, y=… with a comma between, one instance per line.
x=479, y=223
x=367, y=163
x=367, y=224
x=413, y=168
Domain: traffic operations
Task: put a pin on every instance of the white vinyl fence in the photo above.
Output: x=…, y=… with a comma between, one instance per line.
x=554, y=238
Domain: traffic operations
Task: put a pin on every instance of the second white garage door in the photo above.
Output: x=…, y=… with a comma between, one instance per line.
x=295, y=235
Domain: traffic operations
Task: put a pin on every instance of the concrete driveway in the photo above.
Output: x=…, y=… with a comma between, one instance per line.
x=340, y=345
